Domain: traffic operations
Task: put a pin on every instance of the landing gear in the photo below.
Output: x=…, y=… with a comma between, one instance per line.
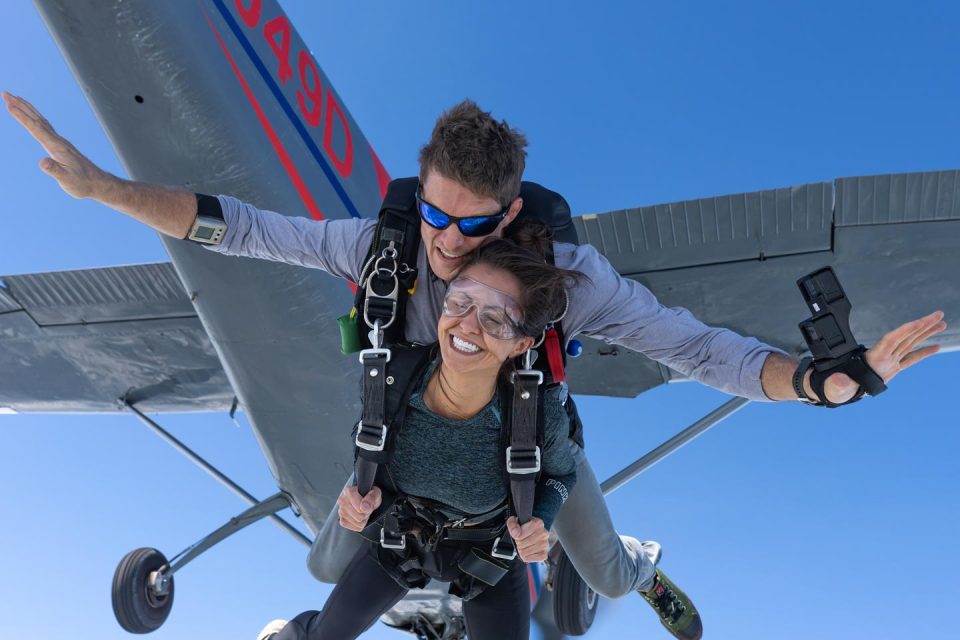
x=574, y=603
x=142, y=591
x=143, y=583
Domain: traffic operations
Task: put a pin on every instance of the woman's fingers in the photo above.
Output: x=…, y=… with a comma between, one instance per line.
x=532, y=540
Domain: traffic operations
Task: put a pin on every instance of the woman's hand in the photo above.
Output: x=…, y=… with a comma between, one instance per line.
x=531, y=539
x=355, y=509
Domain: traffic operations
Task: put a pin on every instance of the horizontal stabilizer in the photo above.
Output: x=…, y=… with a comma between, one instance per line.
x=77, y=341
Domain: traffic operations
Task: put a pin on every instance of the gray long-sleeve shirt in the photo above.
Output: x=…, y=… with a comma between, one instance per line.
x=608, y=306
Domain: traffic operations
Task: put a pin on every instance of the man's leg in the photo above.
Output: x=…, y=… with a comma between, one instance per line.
x=612, y=565
x=333, y=548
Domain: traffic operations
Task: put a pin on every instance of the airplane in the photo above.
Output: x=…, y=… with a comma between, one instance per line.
x=669, y=273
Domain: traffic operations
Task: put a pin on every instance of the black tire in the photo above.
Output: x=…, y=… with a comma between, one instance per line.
x=574, y=603
x=137, y=608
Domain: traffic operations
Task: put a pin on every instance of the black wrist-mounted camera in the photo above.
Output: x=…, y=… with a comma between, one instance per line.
x=832, y=346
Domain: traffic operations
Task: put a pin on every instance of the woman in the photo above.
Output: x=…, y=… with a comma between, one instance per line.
x=447, y=462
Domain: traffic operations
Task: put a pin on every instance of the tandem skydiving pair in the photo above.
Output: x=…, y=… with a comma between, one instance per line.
x=469, y=190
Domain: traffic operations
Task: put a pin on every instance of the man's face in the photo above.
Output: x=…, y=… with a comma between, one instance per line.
x=446, y=248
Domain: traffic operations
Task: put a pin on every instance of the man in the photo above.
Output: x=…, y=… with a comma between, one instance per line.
x=471, y=168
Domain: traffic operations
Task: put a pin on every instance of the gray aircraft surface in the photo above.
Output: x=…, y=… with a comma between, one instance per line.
x=178, y=91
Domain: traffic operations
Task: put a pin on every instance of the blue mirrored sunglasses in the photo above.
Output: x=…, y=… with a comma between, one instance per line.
x=472, y=226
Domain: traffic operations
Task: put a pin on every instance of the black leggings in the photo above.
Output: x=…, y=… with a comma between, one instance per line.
x=366, y=591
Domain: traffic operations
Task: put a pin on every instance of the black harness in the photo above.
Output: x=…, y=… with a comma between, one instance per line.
x=418, y=539
x=389, y=276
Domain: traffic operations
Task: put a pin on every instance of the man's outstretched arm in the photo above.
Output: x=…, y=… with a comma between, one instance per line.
x=167, y=209
x=893, y=353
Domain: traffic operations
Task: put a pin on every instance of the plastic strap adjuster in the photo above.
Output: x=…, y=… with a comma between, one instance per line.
x=524, y=461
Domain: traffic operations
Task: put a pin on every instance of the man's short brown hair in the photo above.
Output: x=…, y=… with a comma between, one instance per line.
x=467, y=145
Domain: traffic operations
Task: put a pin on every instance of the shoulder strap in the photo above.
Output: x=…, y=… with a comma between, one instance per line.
x=389, y=378
x=389, y=273
x=523, y=430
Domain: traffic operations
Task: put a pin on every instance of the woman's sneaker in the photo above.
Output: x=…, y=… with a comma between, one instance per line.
x=675, y=609
x=273, y=628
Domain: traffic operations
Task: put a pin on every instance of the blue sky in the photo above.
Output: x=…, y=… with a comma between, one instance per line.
x=784, y=522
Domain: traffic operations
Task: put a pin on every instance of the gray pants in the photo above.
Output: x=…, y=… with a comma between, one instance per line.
x=611, y=564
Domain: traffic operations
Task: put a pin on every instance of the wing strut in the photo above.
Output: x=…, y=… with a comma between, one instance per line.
x=631, y=471
x=220, y=477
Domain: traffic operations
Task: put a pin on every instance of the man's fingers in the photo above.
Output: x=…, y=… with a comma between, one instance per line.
x=922, y=326
x=51, y=167
x=919, y=337
x=892, y=340
x=22, y=104
x=888, y=343
x=39, y=128
x=918, y=355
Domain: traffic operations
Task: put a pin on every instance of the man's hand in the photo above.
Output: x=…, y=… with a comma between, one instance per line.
x=355, y=509
x=531, y=539
x=893, y=353
x=72, y=170
x=167, y=209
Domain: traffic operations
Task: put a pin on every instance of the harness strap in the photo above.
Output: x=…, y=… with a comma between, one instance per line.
x=523, y=454
x=482, y=566
x=372, y=429
x=551, y=344
x=854, y=365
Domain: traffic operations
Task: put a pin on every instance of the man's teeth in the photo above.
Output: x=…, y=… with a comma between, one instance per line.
x=448, y=255
x=463, y=345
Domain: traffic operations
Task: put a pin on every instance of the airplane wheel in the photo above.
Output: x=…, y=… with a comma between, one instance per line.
x=137, y=608
x=574, y=603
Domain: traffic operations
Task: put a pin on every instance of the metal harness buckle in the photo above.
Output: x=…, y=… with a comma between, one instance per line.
x=496, y=553
x=402, y=544
x=363, y=429
x=374, y=352
x=524, y=457
x=533, y=373
x=389, y=254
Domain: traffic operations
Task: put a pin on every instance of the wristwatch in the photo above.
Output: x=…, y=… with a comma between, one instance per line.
x=798, y=376
x=209, y=226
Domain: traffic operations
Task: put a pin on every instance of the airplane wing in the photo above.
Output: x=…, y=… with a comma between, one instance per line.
x=77, y=341
x=894, y=241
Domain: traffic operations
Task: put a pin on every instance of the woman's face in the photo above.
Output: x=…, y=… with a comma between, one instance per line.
x=464, y=344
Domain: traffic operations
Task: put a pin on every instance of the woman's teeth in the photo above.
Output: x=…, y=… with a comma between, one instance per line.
x=463, y=345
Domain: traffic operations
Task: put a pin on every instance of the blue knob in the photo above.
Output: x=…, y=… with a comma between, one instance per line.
x=574, y=348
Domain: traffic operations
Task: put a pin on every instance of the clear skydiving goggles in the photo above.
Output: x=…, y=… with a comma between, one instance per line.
x=498, y=313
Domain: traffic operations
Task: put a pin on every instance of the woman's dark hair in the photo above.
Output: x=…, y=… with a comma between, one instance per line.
x=543, y=287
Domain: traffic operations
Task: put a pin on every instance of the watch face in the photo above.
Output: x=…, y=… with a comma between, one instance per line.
x=204, y=233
